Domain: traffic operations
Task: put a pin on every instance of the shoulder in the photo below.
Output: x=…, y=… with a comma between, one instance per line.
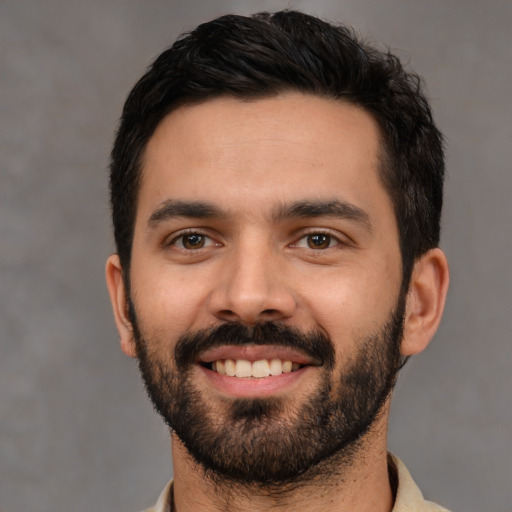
x=164, y=503
x=408, y=496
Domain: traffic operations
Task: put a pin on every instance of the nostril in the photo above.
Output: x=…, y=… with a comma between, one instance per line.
x=227, y=312
x=228, y=315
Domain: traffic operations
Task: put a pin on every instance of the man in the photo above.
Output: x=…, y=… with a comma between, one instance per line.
x=276, y=190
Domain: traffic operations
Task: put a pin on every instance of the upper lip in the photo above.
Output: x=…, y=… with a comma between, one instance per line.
x=255, y=353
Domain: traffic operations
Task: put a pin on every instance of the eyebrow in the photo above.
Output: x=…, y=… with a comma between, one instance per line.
x=192, y=209
x=172, y=208
x=333, y=208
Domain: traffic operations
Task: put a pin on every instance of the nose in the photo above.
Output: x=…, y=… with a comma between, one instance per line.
x=252, y=287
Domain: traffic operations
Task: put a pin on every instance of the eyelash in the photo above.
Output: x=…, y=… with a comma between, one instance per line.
x=207, y=241
x=327, y=235
x=182, y=236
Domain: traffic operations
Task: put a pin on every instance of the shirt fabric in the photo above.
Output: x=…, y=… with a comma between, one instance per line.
x=408, y=496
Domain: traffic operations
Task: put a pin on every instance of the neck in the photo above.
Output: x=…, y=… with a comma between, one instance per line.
x=362, y=485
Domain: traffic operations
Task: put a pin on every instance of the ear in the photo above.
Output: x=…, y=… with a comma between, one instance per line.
x=425, y=301
x=117, y=292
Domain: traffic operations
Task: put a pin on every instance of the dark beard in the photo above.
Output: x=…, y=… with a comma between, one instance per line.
x=267, y=442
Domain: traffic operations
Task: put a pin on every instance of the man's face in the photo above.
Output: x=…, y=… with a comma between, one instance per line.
x=265, y=240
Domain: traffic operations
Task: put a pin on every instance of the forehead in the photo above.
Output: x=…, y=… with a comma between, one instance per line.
x=279, y=149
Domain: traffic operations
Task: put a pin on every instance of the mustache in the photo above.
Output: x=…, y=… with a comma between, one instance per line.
x=315, y=344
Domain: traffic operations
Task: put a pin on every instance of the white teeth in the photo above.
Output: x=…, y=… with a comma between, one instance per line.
x=287, y=366
x=257, y=369
x=260, y=369
x=276, y=367
x=230, y=367
x=243, y=368
x=219, y=367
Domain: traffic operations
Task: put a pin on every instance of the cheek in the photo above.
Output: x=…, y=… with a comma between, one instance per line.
x=168, y=304
x=348, y=306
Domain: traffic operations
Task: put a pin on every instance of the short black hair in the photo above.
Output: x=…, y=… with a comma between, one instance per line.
x=267, y=54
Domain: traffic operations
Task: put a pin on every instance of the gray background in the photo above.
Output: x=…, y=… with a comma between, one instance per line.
x=76, y=431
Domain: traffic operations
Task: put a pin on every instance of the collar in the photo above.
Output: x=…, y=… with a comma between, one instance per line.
x=408, y=495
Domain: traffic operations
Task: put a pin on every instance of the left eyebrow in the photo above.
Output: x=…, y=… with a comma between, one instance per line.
x=172, y=208
x=334, y=208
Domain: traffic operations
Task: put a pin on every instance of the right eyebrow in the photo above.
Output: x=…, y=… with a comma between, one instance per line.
x=191, y=209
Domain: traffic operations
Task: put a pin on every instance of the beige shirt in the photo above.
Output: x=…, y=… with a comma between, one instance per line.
x=408, y=495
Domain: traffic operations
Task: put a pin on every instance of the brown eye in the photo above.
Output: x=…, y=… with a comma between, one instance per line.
x=193, y=241
x=318, y=241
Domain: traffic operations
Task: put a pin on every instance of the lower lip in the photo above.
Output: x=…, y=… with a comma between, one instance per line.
x=250, y=387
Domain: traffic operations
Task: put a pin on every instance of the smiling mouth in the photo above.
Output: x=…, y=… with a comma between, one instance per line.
x=260, y=369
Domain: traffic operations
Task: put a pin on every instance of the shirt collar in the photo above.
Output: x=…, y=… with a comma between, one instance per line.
x=408, y=494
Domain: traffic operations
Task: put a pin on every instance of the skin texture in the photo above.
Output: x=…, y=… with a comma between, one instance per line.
x=252, y=162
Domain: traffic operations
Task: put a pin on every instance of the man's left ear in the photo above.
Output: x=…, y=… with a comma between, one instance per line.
x=425, y=301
